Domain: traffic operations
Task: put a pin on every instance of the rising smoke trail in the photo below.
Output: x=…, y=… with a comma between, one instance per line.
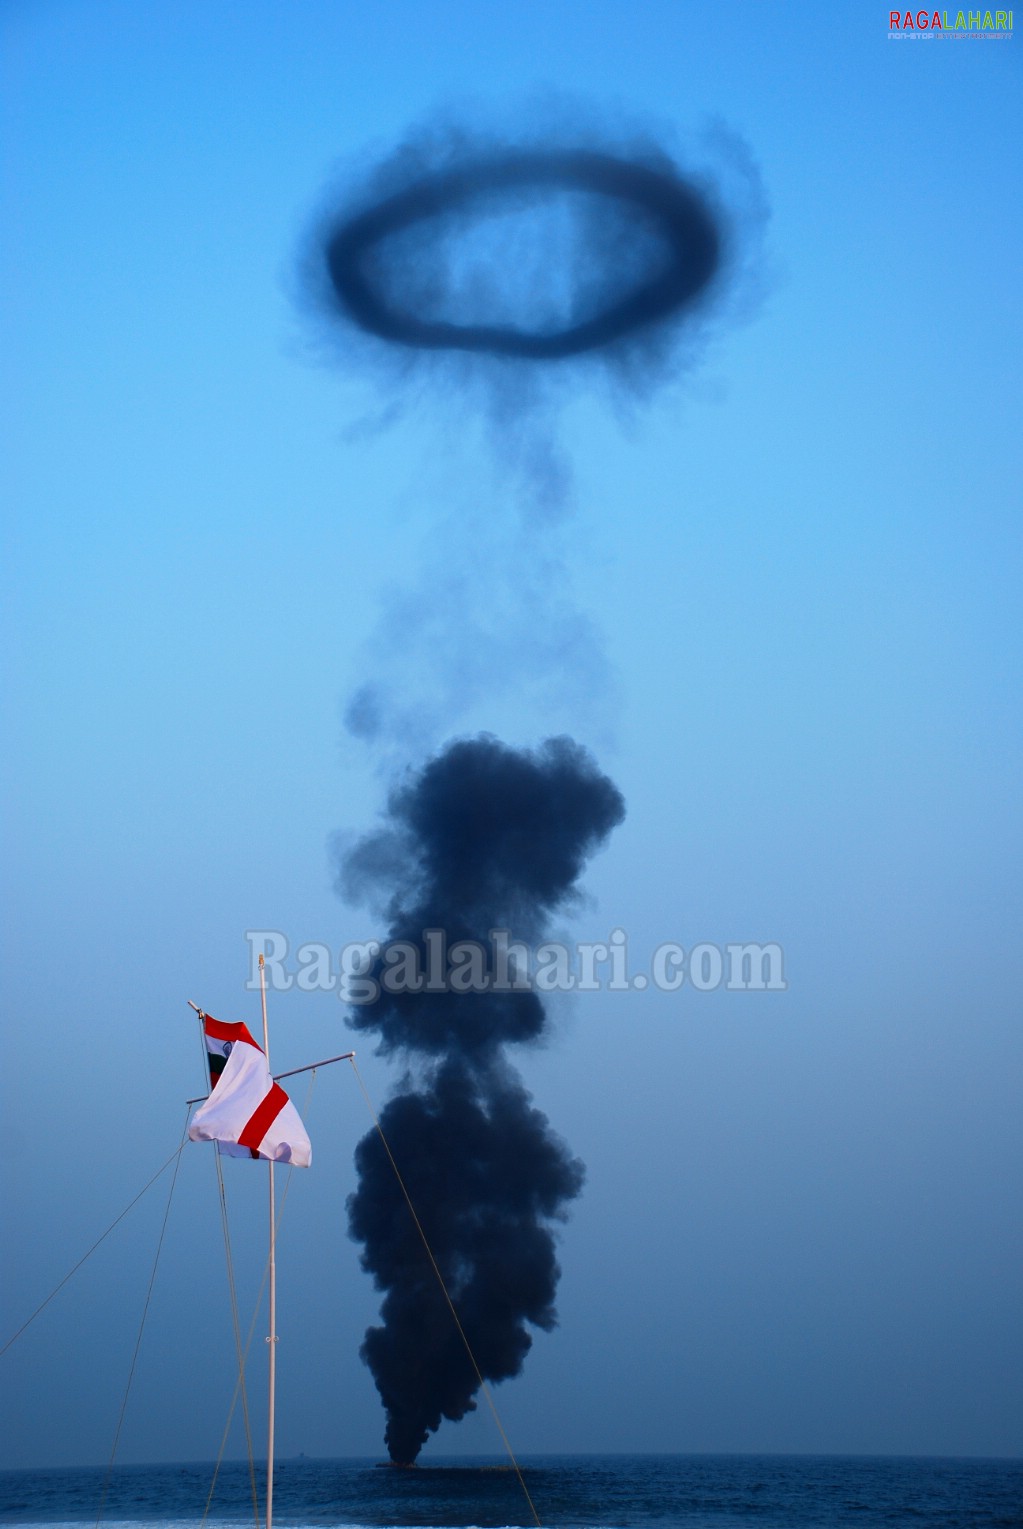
x=493, y=274
x=502, y=273
x=484, y=837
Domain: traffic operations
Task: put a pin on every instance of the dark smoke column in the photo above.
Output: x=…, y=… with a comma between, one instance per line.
x=485, y=837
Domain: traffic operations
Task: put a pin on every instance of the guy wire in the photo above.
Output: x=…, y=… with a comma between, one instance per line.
x=451, y=1305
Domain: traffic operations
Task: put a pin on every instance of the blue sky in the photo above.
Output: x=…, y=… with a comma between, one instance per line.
x=801, y=1228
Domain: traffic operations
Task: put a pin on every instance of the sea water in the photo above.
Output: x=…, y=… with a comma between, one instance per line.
x=596, y=1491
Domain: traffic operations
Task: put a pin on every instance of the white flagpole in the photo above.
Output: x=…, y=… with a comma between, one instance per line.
x=272, y=1337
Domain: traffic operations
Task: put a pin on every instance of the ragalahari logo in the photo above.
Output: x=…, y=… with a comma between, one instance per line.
x=990, y=26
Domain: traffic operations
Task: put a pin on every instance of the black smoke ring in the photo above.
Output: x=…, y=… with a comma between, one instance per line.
x=678, y=215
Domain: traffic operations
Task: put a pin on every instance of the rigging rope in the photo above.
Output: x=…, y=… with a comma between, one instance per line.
x=239, y=1385
x=101, y=1238
x=241, y=1356
x=142, y=1324
x=451, y=1305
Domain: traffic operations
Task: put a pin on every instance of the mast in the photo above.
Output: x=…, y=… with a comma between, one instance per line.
x=227, y=1134
x=272, y=1286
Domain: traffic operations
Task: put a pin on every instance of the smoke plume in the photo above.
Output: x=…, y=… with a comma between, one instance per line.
x=489, y=274
x=500, y=273
x=650, y=216
x=483, y=837
x=540, y=252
